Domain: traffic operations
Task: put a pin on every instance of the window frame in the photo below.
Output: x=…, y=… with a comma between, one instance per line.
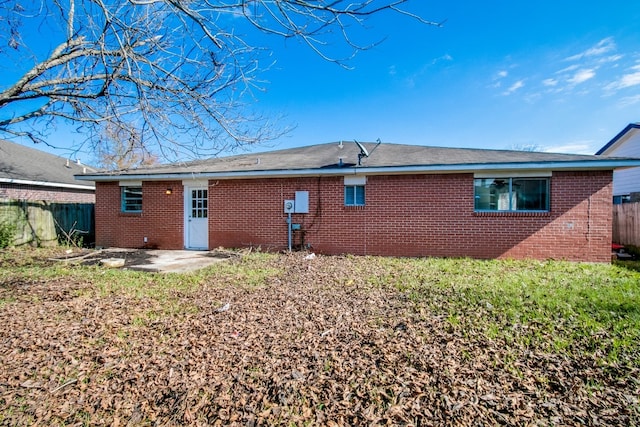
x=511, y=194
x=354, y=189
x=126, y=201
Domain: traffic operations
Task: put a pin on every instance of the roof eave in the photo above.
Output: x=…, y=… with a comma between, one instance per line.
x=608, y=164
x=47, y=184
x=610, y=145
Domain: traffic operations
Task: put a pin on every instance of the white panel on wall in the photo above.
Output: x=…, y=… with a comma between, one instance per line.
x=302, y=202
x=355, y=180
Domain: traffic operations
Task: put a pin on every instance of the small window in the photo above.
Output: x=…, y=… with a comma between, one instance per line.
x=354, y=195
x=199, y=204
x=618, y=200
x=131, y=199
x=511, y=194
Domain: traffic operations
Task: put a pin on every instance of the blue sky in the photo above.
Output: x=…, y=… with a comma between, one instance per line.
x=557, y=75
x=561, y=76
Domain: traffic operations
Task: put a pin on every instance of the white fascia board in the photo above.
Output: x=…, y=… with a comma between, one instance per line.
x=47, y=184
x=605, y=164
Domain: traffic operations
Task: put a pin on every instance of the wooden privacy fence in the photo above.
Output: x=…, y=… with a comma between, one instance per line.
x=626, y=224
x=42, y=223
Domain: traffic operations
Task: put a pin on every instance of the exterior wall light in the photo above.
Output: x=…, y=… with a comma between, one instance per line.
x=168, y=191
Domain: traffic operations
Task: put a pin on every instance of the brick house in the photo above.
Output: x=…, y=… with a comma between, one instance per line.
x=30, y=174
x=369, y=199
x=626, y=182
x=41, y=198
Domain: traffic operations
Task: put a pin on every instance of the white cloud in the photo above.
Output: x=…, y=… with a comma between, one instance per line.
x=612, y=58
x=627, y=80
x=498, y=78
x=416, y=76
x=550, y=82
x=392, y=70
x=602, y=47
x=568, y=69
x=629, y=101
x=578, y=147
x=582, y=76
x=514, y=87
x=446, y=57
x=533, y=97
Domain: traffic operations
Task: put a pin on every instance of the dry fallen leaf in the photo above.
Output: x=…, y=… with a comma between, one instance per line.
x=314, y=345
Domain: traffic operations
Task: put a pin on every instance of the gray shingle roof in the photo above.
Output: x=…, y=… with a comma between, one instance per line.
x=331, y=158
x=29, y=165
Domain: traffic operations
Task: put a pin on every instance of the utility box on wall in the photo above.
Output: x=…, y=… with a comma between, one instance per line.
x=289, y=206
x=302, y=202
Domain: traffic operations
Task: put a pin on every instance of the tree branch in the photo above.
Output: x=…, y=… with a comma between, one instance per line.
x=177, y=76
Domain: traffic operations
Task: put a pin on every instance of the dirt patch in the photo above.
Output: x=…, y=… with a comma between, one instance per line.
x=93, y=257
x=151, y=260
x=313, y=345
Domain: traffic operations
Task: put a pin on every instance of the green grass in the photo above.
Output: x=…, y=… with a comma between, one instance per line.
x=247, y=272
x=557, y=307
x=554, y=306
x=163, y=294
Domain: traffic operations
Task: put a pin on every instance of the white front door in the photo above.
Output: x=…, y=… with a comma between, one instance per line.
x=196, y=215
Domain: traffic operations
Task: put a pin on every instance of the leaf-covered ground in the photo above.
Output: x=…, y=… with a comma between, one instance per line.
x=284, y=340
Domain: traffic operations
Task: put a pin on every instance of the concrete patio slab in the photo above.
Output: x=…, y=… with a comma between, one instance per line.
x=167, y=261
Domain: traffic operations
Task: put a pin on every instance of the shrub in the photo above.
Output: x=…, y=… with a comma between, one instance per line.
x=7, y=234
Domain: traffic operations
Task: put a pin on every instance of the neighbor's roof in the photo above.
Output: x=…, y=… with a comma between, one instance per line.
x=619, y=139
x=28, y=166
x=385, y=158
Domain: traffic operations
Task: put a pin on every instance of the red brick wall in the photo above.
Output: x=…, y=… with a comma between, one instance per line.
x=411, y=215
x=50, y=194
x=161, y=220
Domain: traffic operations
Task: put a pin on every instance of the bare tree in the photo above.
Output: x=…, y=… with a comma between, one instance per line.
x=526, y=147
x=122, y=148
x=177, y=73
